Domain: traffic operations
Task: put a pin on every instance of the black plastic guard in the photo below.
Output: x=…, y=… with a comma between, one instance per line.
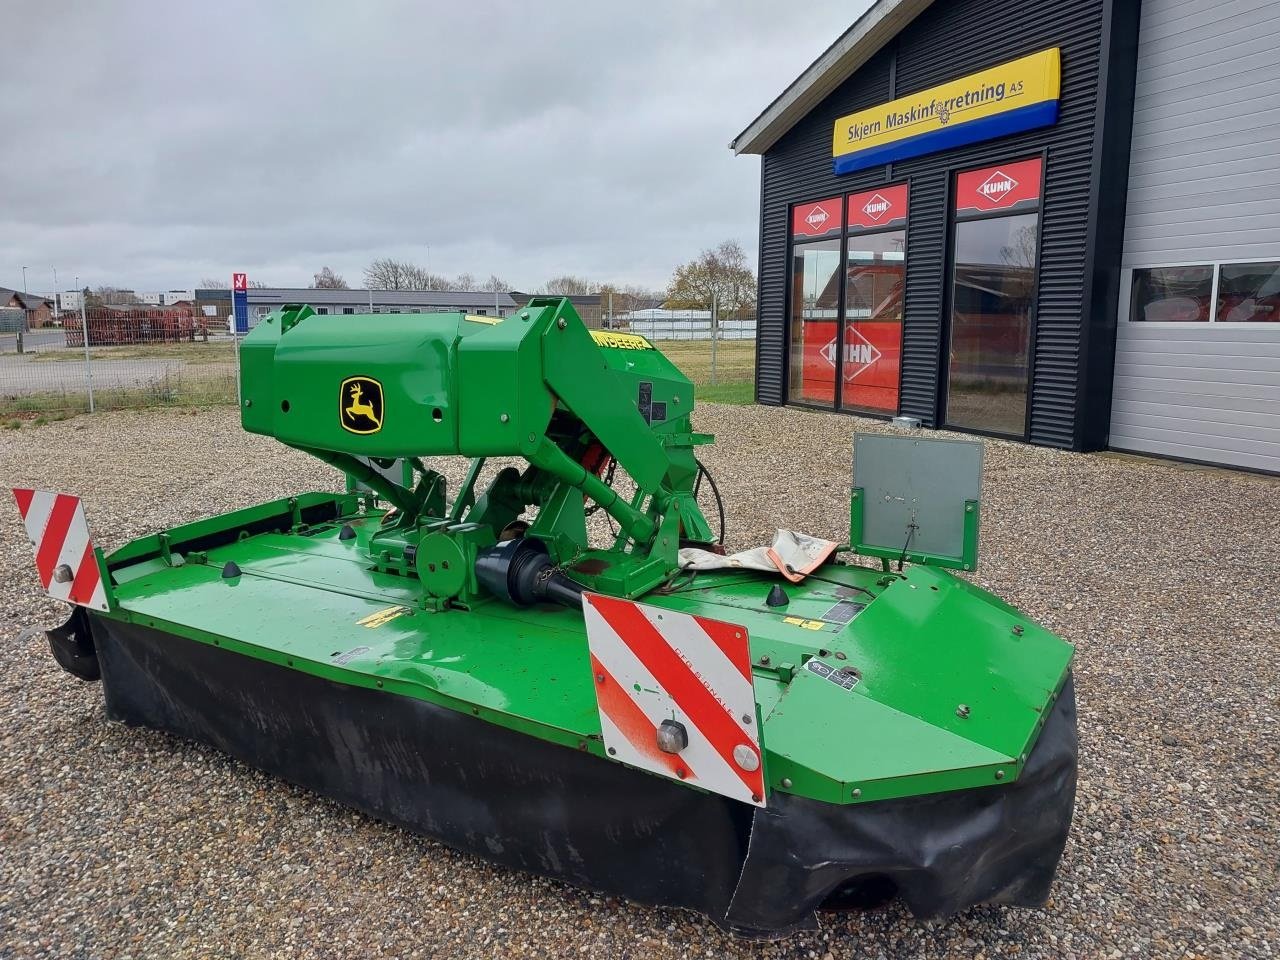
x=943, y=852
x=72, y=646
x=565, y=813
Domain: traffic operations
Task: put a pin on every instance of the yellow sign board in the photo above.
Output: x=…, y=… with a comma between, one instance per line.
x=1015, y=96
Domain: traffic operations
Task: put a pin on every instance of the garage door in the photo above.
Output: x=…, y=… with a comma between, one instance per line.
x=1198, y=340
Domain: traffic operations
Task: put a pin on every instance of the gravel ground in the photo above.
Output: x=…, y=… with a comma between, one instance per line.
x=117, y=842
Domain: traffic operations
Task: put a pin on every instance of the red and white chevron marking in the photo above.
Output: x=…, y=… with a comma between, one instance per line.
x=651, y=665
x=60, y=537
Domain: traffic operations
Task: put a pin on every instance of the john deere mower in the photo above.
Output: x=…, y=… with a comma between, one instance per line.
x=634, y=713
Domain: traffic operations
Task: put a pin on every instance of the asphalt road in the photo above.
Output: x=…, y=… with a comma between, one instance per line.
x=23, y=375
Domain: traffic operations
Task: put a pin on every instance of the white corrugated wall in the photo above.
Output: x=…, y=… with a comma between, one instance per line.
x=1204, y=187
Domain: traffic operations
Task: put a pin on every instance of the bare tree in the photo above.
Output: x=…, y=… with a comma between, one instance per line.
x=466, y=281
x=258, y=285
x=495, y=284
x=570, y=286
x=212, y=283
x=114, y=295
x=387, y=273
x=628, y=298
x=326, y=279
x=720, y=273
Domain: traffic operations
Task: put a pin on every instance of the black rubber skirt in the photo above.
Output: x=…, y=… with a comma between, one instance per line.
x=564, y=813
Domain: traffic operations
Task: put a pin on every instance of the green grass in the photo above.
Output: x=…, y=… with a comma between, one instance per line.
x=193, y=353
x=735, y=368
x=742, y=391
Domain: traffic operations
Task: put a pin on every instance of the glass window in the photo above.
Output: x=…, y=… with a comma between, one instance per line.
x=991, y=301
x=349, y=310
x=815, y=301
x=1249, y=292
x=1171, y=294
x=875, y=271
x=322, y=310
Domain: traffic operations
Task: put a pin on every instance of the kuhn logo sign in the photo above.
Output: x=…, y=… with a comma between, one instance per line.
x=997, y=188
x=816, y=218
x=876, y=207
x=859, y=354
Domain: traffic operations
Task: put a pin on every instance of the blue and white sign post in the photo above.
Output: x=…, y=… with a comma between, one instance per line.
x=240, y=302
x=239, y=318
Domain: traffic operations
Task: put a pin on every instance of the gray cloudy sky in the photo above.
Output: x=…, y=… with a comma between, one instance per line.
x=152, y=144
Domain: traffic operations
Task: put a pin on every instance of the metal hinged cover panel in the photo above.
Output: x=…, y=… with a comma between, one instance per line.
x=918, y=496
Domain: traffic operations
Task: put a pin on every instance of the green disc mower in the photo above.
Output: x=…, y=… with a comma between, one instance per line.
x=478, y=663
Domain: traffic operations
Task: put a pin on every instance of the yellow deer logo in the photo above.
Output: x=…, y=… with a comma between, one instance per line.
x=361, y=413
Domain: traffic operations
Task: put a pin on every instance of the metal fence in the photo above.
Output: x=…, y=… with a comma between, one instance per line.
x=144, y=357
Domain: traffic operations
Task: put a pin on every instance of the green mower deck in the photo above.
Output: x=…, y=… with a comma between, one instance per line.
x=431, y=665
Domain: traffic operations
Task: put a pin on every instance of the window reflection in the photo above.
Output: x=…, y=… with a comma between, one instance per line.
x=1249, y=293
x=875, y=271
x=815, y=292
x=1171, y=294
x=992, y=294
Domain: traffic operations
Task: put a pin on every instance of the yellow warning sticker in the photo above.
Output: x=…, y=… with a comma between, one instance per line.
x=476, y=318
x=805, y=624
x=374, y=620
x=620, y=341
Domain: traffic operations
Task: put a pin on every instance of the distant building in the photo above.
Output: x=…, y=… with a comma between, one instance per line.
x=263, y=300
x=166, y=298
x=39, y=310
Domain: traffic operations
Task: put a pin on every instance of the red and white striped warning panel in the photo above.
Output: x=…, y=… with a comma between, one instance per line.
x=59, y=535
x=675, y=695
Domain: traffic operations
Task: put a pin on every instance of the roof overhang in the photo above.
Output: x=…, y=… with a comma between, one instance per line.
x=856, y=46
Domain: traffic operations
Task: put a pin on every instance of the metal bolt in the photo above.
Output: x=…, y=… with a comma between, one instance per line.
x=248, y=403
x=764, y=661
x=962, y=711
x=746, y=757
x=561, y=323
x=786, y=783
x=746, y=718
x=841, y=655
x=504, y=418
x=599, y=678
x=525, y=316
x=532, y=438
x=755, y=798
x=1018, y=631
x=857, y=792
x=613, y=752
x=999, y=774
x=673, y=737
x=62, y=573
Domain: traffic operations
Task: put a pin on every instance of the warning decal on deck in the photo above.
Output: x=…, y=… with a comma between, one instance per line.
x=382, y=616
x=844, y=611
x=846, y=677
x=59, y=535
x=675, y=695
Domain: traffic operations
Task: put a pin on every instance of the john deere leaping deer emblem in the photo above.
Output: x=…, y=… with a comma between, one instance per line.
x=360, y=405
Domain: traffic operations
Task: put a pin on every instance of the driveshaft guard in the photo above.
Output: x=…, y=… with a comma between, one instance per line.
x=564, y=813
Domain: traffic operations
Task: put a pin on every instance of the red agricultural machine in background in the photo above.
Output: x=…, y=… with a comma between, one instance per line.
x=114, y=326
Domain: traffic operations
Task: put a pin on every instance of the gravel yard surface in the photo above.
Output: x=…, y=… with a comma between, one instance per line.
x=117, y=842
